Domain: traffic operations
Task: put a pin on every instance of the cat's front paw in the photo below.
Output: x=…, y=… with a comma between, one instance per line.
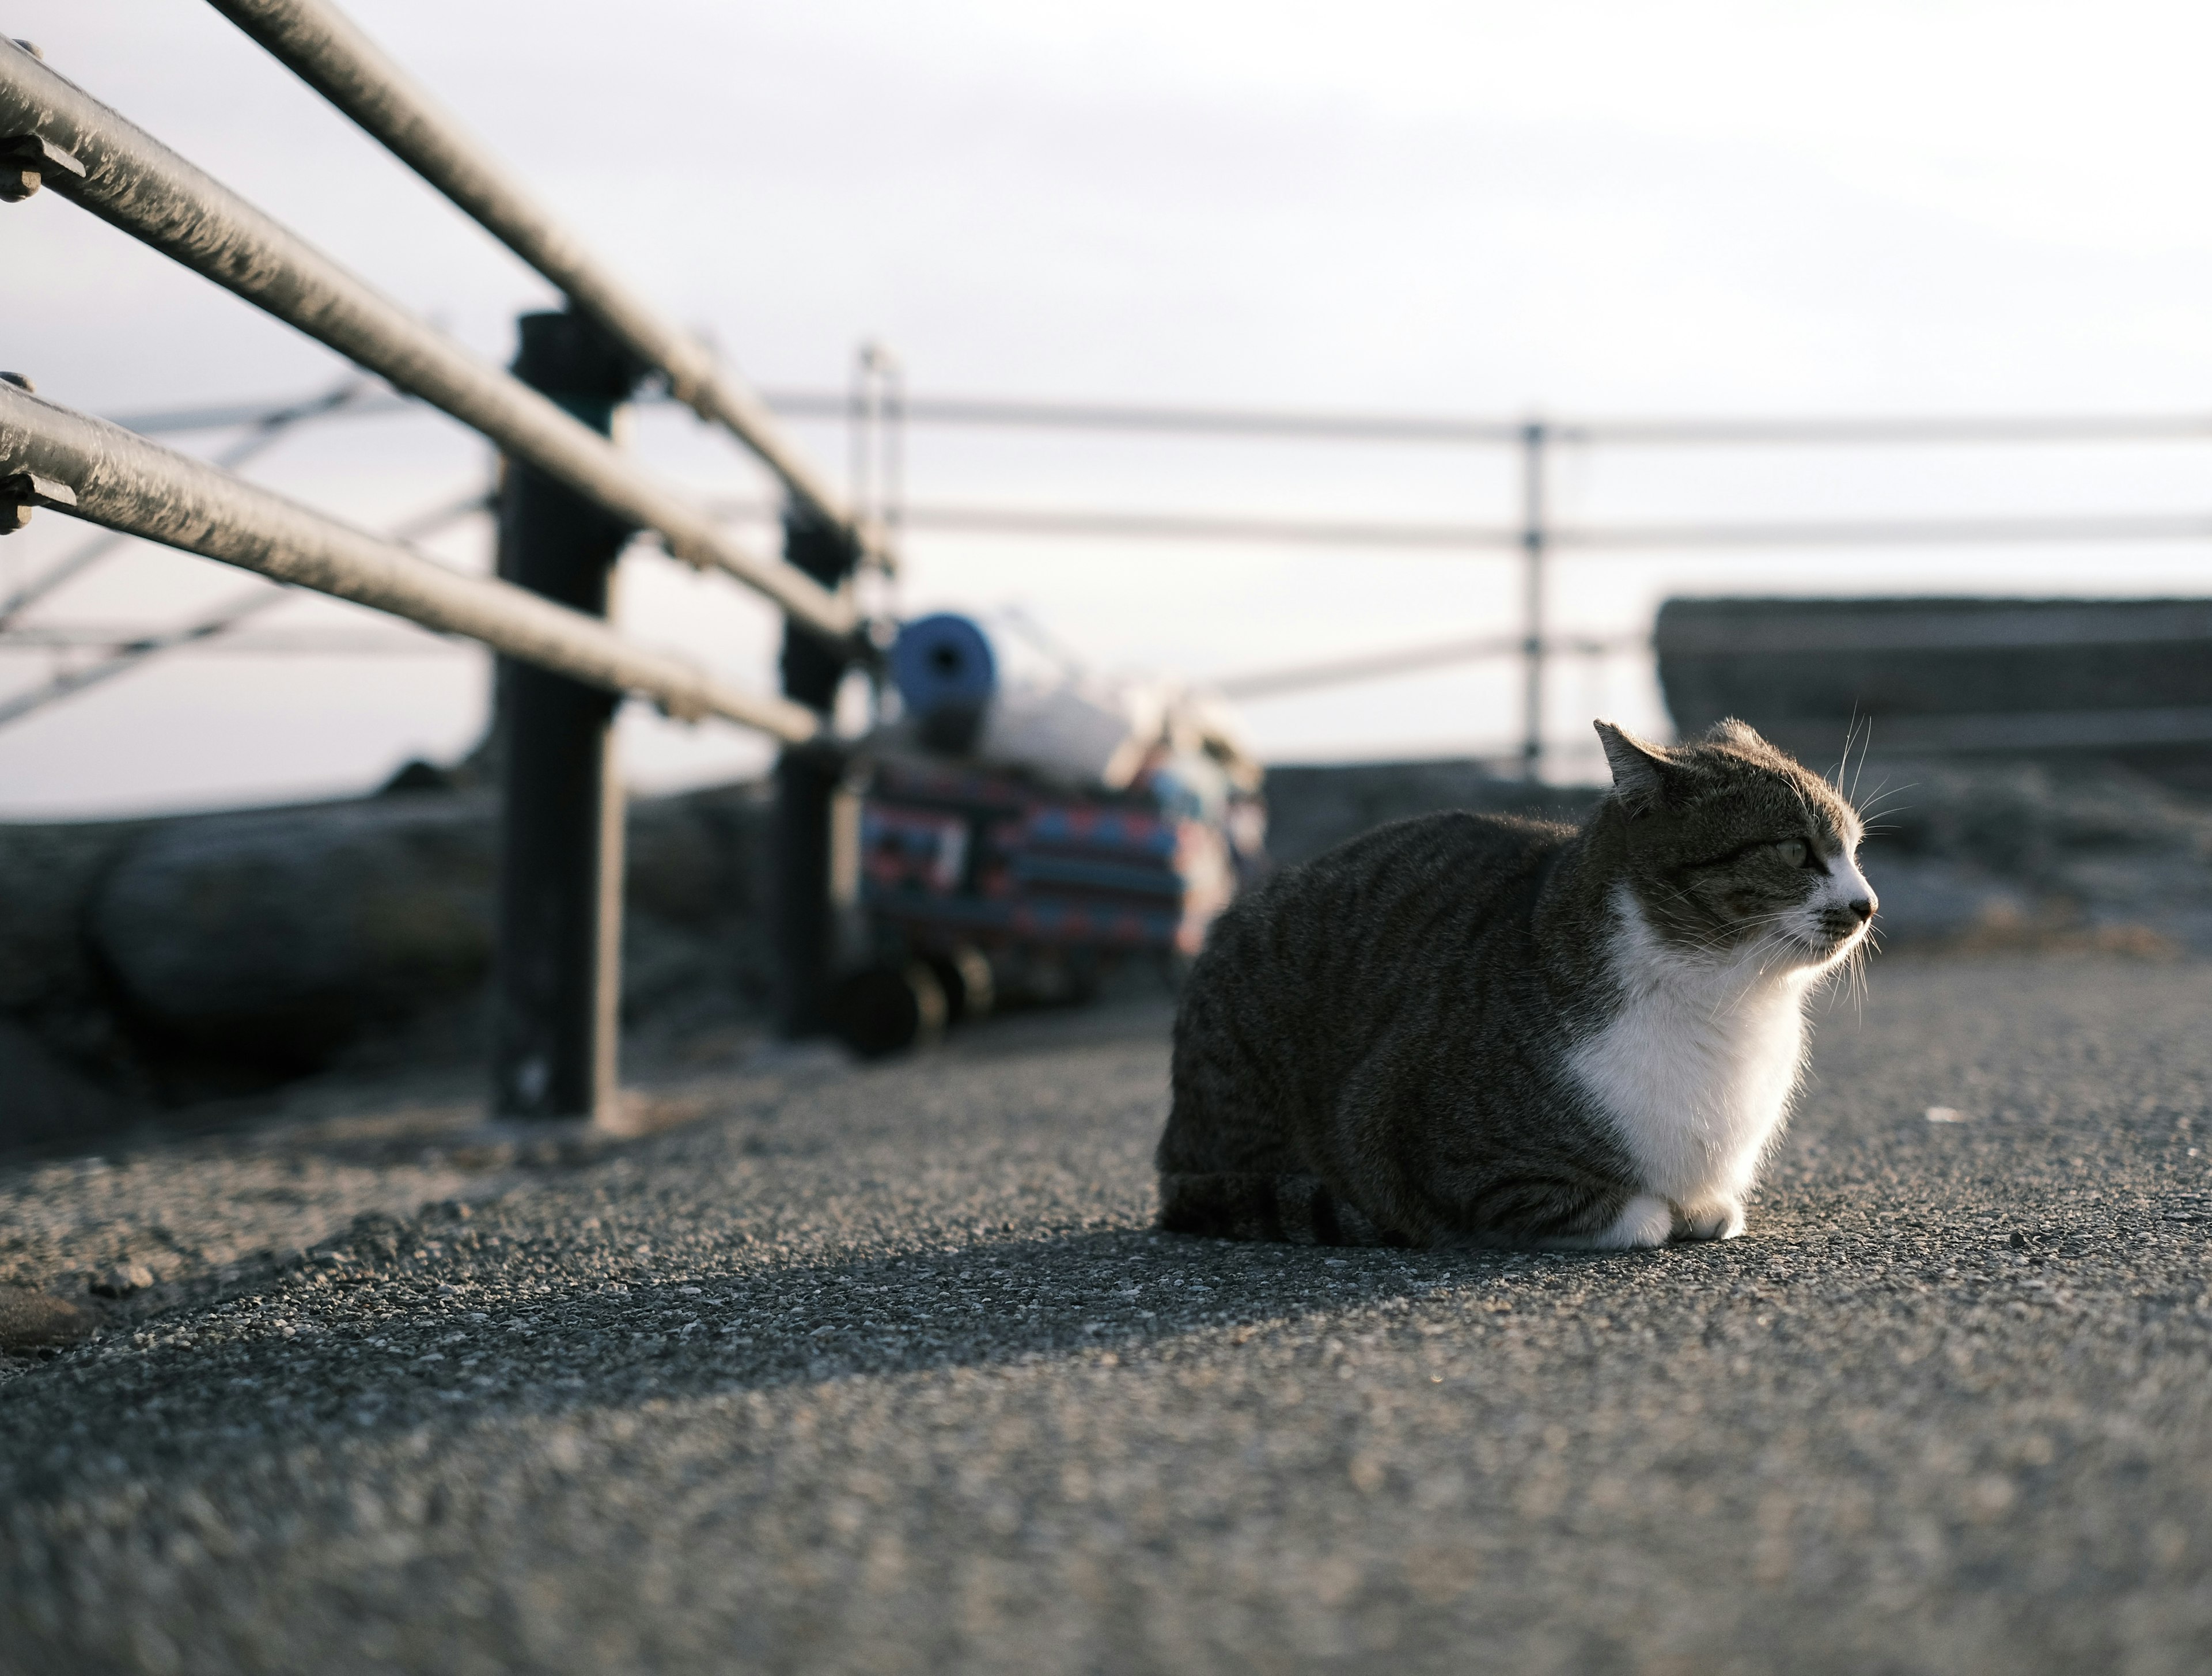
x=1721, y=1219
x=1644, y=1221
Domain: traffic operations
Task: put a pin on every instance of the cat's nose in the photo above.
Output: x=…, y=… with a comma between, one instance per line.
x=1863, y=906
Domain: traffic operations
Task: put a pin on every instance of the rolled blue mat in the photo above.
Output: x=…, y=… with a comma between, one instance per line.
x=943, y=664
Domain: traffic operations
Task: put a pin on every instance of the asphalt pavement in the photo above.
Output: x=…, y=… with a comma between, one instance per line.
x=871, y=1370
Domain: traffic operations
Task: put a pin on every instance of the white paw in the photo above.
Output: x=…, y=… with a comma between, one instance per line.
x=1646, y=1220
x=1721, y=1219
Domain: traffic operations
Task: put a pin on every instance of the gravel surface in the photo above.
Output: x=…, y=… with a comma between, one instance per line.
x=882, y=1370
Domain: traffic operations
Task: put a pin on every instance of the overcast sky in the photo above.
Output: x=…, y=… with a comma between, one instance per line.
x=1575, y=207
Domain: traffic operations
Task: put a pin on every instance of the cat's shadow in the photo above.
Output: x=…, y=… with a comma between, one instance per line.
x=748, y=1326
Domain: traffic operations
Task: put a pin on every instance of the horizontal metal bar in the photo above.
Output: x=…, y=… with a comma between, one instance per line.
x=136, y=183
x=1046, y=521
x=1322, y=531
x=1081, y=523
x=1016, y=414
x=993, y=412
x=326, y=50
x=1201, y=527
x=1409, y=660
x=126, y=482
x=1877, y=430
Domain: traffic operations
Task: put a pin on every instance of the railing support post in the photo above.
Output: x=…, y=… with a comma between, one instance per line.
x=798, y=896
x=558, y=969
x=1535, y=538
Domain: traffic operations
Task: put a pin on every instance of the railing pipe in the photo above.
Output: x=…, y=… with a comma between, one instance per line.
x=328, y=50
x=1253, y=685
x=1559, y=540
x=1455, y=430
x=134, y=182
x=986, y=412
x=121, y=481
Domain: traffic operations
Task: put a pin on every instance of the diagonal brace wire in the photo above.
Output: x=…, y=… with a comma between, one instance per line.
x=135, y=655
x=269, y=428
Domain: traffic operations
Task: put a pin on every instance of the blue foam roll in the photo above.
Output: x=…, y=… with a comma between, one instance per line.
x=943, y=663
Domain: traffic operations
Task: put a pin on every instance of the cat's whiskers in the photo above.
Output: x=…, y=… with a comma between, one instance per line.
x=1865, y=745
x=1873, y=805
x=1857, y=964
x=1834, y=777
x=1728, y=939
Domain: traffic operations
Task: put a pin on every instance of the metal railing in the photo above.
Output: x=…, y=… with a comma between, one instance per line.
x=1539, y=443
x=108, y=475
x=569, y=500
x=322, y=47
x=56, y=134
x=266, y=429
x=131, y=181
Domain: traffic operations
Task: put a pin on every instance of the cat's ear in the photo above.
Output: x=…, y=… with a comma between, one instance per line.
x=1728, y=731
x=1639, y=767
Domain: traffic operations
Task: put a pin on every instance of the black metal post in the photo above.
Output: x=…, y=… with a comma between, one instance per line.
x=1534, y=539
x=798, y=896
x=557, y=971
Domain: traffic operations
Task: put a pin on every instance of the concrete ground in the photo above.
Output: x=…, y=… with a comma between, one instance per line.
x=882, y=1370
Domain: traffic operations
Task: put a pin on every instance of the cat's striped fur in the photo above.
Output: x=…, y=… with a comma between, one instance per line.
x=1480, y=1030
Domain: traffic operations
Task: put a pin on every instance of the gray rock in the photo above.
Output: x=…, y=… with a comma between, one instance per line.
x=2018, y=852
x=50, y=979
x=279, y=934
x=123, y=1280
x=279, y=939
x=215, y=954
x=29, y=1319
x=42, y=1099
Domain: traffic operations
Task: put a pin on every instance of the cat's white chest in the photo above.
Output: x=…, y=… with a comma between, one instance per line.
x=1697, y=1067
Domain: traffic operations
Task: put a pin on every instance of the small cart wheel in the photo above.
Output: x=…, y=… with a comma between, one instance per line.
x=885, y=1010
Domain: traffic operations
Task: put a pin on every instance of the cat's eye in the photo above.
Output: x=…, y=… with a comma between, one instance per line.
x=1793, y=851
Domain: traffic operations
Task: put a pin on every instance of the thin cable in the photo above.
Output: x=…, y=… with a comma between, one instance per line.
x=299, y=642
x=135, y=656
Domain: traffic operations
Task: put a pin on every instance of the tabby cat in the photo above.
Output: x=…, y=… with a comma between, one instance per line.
x=1473, y=1029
